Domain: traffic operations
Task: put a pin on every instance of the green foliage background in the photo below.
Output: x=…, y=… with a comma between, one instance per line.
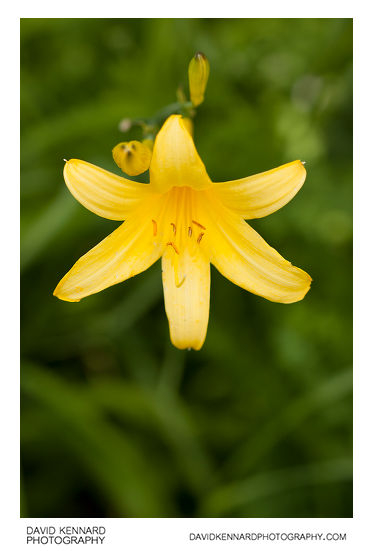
x=115, y=422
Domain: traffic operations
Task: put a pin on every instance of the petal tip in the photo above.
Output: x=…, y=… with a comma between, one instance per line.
x=302, y=167
x=68, y=163
x=187, y=345
x=58, y=293
x=306, y=281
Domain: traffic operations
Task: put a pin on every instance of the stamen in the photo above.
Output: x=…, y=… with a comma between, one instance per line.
x=200, y=237
x=173, y=228
x=154, y=227
x=198, y=224
x=181, y=282
x=173, y=246
x=190, y=231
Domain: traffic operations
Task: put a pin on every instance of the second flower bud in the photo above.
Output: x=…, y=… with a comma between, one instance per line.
x=133, y=157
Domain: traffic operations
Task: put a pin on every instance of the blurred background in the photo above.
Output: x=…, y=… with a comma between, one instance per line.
x=115, y=422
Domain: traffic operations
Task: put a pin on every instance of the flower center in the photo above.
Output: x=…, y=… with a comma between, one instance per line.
x=179, y=224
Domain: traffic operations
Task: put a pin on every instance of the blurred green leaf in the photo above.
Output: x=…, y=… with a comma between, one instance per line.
x=166, y=416
x=227, y=499
x=325, y=395
x=115, y=464
x=43, y=230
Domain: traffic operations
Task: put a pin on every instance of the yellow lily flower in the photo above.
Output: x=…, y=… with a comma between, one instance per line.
x=191, y=223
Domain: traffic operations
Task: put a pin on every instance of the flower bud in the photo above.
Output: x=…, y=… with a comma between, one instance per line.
x=132, y=157
x=125, y=125
x=199, y=70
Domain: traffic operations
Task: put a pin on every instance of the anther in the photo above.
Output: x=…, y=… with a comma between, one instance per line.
x=190, y=231
x=200, y=237
x=173, y=246
x=173, y=228
x=65, y=160
x=154, y=227
x=198, y=224
x=181, y=282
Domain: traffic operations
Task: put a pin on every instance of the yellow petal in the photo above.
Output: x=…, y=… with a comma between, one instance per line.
x=129, y=250
x=102, y=192
x=175, y=160
x=243, y=257
x=186, y=286
x=188, y=123
x=132, y=157
x=263, y=193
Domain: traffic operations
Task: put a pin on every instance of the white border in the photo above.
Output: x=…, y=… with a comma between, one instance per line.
x=172, y=534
